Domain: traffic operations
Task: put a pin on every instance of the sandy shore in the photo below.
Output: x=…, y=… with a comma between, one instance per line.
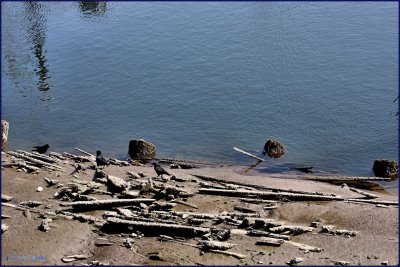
x=375, y=243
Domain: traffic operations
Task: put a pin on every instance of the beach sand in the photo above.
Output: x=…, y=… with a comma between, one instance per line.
x=376, y=241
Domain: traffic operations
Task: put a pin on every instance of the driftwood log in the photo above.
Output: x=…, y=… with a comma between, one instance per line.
x=267, y=234
x=291, y=229
x=153, y=229
x=268, y=241
x=269, y=195
x=105, y=204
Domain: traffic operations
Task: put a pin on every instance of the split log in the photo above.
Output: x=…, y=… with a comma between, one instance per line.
x=265, y=194
x=38, y=156
x=207, y=245
x=5, y=198
x=305, y=247
x=267, y=234
x=228, y=253
x=36, y=162
x=161, y=206
x=248, y=154
x=105, y=204
x=292, y=229
x=368, y=195
x=375, y=202
x=153, y=229
x=343, y=178
x=267, y=241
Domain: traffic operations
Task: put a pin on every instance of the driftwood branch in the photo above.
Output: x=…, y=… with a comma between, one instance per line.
x=248, y=154
x=304, y=246
x=343, y=178
x=366, y=194
x=228, y=253
x=84, y=152
x=265, y=194
x=375, y=202
x=260, y=187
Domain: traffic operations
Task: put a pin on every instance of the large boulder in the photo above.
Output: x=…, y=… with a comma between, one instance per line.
x=141, y=149
x=274, y=149
x=4, y=135
x=386, y=168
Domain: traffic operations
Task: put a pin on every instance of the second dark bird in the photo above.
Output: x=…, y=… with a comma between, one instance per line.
x=100, y=160
x=41, y=149
x=159, y=170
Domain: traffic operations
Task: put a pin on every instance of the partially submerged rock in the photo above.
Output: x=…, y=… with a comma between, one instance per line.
x=141, y=149
x=386, y=168
x=274, y=149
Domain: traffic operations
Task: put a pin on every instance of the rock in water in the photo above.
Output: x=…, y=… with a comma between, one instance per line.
x=386, y=168
x=141, y=149
x=4, y=134
x=274, y=149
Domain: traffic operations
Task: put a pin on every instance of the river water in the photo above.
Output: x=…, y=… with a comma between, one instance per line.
x=198, y=78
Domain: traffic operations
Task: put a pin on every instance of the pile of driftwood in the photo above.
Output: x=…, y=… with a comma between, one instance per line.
x=142, y=204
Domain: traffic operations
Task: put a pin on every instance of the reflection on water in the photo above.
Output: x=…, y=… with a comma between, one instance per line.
x=36, y=17
x=23, y=44
x=93, y=8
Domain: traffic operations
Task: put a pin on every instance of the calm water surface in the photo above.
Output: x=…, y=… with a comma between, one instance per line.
x=198, y=78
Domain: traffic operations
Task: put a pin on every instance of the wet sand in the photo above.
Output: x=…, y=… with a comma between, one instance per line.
x=376, y=241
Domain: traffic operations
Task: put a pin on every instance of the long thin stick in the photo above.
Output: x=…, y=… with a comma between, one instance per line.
x=247, y=154
x=84, y=152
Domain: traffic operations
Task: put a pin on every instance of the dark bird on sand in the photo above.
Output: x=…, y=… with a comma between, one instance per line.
x=100, y=160
x=159, y=170
x=41, y=149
